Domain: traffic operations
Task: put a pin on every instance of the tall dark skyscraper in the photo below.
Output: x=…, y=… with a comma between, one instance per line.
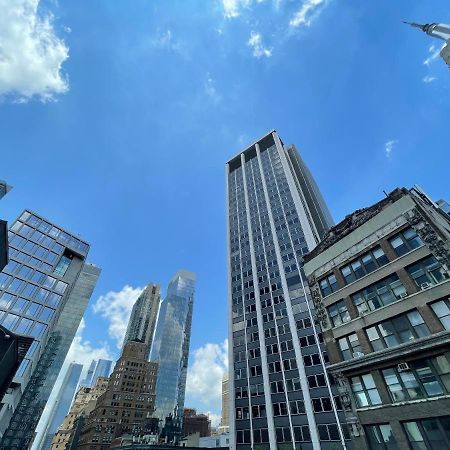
x=280, y=396
x=142, y=321
x=171, y=346
x=44, y=291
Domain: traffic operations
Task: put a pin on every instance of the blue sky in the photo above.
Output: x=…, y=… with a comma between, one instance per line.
x=116, y=119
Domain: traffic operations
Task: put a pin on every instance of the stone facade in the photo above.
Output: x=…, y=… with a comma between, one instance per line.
x=381, y=285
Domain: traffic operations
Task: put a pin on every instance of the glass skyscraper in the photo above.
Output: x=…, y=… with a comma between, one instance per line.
x=61, y=405
x=143, y=316
x=44, y=291
x=171, y=346
x=280, y=395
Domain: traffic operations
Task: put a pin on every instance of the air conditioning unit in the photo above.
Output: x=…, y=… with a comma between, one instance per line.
x=358, y=354
x=401, y=367
x=425, y=285
x=402, y=295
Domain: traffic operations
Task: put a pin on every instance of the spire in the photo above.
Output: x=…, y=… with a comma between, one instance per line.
x=416, y=25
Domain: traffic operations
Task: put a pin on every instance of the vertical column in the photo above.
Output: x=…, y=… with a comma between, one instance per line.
x=264, y=366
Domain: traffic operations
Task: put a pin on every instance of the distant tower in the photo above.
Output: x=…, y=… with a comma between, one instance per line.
x=440, y=31
x=224, y=423
x=142, y=321
x=171, y=346
x=103, y=369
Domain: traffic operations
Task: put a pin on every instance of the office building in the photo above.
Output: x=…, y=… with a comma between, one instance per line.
x=280, y=396
x=171, y=349
x=195, y=423
x=440, y=31
x=87, y=381
x=61, y=405
x=102, y=369
x=217, y=441
x=128, y=402
x=443, y=206
x=225, y=421
x=381, y=285
x=142, y=321
x=44, y=291
x=4, y=189
x=68, y=433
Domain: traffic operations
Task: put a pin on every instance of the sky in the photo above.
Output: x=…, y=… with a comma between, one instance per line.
x=117, y=118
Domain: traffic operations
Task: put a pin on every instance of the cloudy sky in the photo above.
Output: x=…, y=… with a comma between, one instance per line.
x=117, y=116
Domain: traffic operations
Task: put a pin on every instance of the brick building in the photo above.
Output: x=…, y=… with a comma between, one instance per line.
x=195, y=423
x=128, y=403
x=380, y=281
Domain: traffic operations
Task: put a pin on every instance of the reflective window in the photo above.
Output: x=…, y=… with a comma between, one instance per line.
x=10, y=321
x=364, y=264
x=23, y=326
x=427, y=271
x=46, y=314
x=328, y=285
x=350, y=347
x=41, y=294
x=62, y=265
x=429, y=434
x=442, y=309
x=379, y=294
x=33, y=309
x=53, y=300
x=365, y=391
x=19, y=305
x=405, y=241
x=380, y=437
x=38, y=330
x=338, y=313
x=398, y=330
x=60, y=287
x=6, y=300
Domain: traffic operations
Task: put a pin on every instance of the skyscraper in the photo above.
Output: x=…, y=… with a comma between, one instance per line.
x=44, y=291
x=102, y=369
x=439, y=31
x=225, y=420
x=143, y=316
x=171, y=346
x=61, y=405
x=4, y=189
x=90, y=373
x=280, y=395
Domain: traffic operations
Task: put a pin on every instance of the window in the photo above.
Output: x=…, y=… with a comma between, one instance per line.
x=350, y=347
x=311, y=360
x=23, y=326
x=322, y=404
x=6, y=300
x=338, y=313
x=53, y=300
x=421, y=379
x=276, y=387
x=405, y=241
x=328, y=285
x=283, y=434
x=242, y=413
x=243, y=436
x=365, y=391
x=259, y=436
x=10, y=321
x=363, y=265
x=297, y=407
x=427, y=271
x=302, y=434
x=429, y=434
x=19, y=305
x=379, y=294
x=38, y=330
x=46, y=314
x=258, y=411
x=280, y=409
x=293, y=384
x=398, y=330
x=256, y=390
x=442, y=310
x=328, y=432
x=317, y=381
x=380, y=437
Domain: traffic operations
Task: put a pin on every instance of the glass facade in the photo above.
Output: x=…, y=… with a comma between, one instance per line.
x=143, y=316
x=37, y=300
x=278, y=379
x=171, y=346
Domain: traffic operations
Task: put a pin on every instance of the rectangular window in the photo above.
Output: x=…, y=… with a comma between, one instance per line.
x=380, y=437
x=338, y=313
x=350, y=347
x=429, y=434
x=365, y=390
x=379, y=294
x=442, y=310
x=419, y=379
x=405, y=241
x=396, y=331
x=328, y=285
x=364, y=265
x=328, y=432
x=426, y=272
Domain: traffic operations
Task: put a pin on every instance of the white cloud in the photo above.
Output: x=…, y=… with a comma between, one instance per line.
x=232, y=8
x=116, y=307
x=433, y=54
x=428, y=79
x=166, y=40
x=389, y=146
x=214, y=418
x=31, y=54
x=259, y=50
x=82, y=352
x=204, y=379
x=306, y=13
x=211, y=90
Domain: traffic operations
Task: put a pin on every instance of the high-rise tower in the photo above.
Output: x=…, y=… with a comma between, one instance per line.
x=171, y=346
x=61, y=405
x=44, y=291
x=142, y=321
x=280, y=395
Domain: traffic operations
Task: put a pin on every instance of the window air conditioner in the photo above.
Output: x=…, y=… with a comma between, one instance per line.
x=425, y=285
x=401, y=367
x=402, y=295
x=358, y=354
